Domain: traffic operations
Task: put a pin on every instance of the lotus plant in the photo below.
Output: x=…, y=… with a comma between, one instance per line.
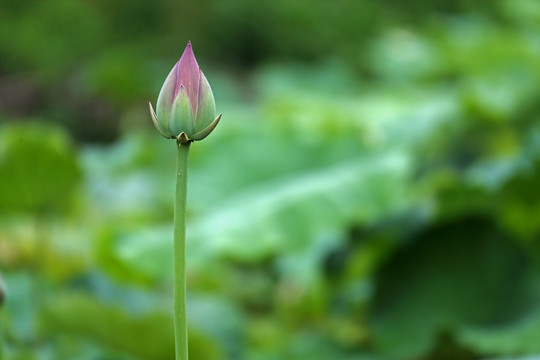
x=186, y=112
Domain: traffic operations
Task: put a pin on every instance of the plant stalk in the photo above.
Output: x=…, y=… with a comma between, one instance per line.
x=180, y=314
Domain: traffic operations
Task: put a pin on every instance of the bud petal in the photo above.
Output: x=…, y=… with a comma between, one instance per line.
x=206, y=110
x=181, y=119
x=187, y=72
x=165, y=99
x=205, y=132
x=164, y=132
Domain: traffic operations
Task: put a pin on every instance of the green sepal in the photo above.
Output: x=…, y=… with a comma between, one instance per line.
x=163, y=131
x=206, y=105
x=205, y=132
x=183, y=138
x=165, y=100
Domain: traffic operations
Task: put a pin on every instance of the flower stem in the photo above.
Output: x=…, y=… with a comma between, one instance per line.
x=180, y=314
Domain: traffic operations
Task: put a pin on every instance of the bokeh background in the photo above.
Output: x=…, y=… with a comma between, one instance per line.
x=371, y=193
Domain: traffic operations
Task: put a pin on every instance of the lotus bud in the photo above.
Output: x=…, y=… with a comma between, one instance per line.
x=186, y=109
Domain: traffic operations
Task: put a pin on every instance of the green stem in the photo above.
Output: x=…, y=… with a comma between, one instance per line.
x=180, y=314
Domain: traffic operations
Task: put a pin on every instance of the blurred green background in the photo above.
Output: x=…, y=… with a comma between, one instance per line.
x=371, y=193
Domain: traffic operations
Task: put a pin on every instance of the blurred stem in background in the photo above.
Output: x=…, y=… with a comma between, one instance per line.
x=41, y=250
x=2, y=299
x=180, y=314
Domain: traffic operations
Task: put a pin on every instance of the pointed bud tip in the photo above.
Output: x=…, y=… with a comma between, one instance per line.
x=188, y=49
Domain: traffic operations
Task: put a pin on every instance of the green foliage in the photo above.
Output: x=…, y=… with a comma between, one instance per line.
x=38, y=169
x=433, y=284
x=149, y=336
